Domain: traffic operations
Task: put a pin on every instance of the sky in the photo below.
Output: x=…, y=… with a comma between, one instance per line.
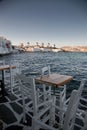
x=59, y=22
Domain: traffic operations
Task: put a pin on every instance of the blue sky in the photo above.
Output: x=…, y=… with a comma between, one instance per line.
x=60, y=22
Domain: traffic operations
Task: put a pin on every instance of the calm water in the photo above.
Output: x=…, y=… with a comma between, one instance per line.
x=74, y=64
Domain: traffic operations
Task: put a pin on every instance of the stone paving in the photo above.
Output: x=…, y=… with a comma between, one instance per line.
x=11, y=112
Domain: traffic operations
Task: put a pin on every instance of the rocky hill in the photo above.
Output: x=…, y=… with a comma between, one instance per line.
x=74, y=48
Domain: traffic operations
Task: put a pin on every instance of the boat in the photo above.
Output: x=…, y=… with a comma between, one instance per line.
x=5, y=46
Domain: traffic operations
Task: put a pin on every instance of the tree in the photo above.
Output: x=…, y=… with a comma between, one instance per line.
x=42, y=44
x=37, y=43
x=28, y=43
x=48, y=44
x=54, y=46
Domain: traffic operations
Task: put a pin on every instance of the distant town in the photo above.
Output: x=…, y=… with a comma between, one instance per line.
x=6, y=47
x=49, y=48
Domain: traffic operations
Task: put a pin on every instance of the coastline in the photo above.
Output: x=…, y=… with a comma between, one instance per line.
x=51, y=49
x=74, y=48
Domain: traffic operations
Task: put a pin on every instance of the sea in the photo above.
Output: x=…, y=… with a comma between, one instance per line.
x=68, y=63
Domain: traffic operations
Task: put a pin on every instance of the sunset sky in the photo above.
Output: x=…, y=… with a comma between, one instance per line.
x=60, y=22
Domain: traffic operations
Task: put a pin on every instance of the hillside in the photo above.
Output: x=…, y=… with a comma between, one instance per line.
x=74, y=48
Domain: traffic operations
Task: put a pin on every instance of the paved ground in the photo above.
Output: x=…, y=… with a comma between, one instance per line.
x=11, y=111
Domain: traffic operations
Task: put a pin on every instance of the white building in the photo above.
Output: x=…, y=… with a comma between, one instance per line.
x=5, y=46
